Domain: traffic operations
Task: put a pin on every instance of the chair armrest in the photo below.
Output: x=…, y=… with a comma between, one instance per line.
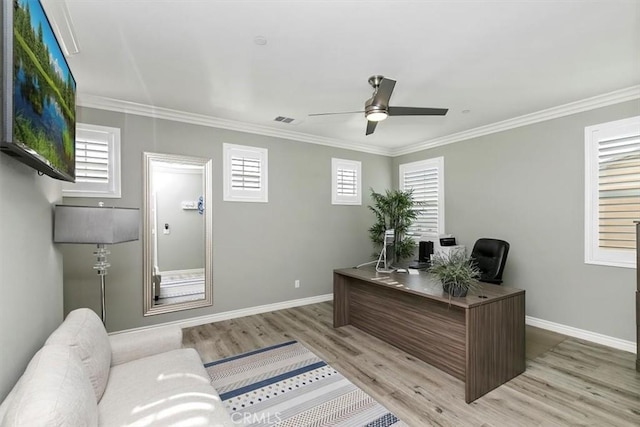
x=130, y=346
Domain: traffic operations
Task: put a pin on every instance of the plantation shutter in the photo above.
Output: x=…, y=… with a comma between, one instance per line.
x=246, y=173
x=425, y=180
x=92, y=158
x=347, y=182
x=618, y=191
x=245, y=176
x=97, y=153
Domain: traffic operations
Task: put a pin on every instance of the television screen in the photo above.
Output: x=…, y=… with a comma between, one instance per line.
x=39, y=118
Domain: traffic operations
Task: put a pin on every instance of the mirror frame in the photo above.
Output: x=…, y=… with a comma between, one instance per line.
x=150, y=308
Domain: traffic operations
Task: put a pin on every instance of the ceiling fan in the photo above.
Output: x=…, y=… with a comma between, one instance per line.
x=377, y=107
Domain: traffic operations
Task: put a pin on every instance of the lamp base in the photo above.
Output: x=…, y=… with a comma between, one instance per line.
x=101, y=267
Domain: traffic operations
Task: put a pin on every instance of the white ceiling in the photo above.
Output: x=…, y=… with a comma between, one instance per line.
x=498, y=59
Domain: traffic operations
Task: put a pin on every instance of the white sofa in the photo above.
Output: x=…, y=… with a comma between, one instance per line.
x=83, y=377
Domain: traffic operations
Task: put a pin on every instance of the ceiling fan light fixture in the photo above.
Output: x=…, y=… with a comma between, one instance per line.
x=377, y=116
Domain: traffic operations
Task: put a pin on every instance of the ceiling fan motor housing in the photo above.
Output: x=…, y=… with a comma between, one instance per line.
x=370, y=108
x=375, y=109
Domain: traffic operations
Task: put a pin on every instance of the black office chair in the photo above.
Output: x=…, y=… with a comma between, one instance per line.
x=490, y=255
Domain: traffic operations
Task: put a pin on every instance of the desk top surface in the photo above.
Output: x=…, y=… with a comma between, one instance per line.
x=426, y=285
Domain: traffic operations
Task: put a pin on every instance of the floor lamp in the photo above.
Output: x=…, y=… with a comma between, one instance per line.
x=100, y=226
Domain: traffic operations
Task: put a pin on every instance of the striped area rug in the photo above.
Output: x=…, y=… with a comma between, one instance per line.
x=288, y=385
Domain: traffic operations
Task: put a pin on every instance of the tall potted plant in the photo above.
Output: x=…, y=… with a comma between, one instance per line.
x=395, y=209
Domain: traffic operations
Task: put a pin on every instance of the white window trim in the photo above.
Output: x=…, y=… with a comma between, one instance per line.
x=593, y=254
x=231, y=195
x=342, y=199
x=112, y=189
x=436, y=162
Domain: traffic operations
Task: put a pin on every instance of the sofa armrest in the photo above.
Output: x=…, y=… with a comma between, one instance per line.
x=130, y=346
x=4, y=406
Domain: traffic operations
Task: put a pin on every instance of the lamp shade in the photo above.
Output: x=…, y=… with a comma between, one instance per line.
x=96, y=225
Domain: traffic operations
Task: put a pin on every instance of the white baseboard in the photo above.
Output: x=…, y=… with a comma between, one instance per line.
x=226, y=315
x=617, y=343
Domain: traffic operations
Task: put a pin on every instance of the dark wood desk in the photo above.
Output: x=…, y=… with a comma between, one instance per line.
x=478, y=340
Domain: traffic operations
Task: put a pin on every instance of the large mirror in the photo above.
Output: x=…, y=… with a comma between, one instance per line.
x=177, y=233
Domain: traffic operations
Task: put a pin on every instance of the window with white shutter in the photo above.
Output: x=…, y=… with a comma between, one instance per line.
x=426, y=179
x=346, y=182
x=97, y=163
x=612, y=196
x=245, y=173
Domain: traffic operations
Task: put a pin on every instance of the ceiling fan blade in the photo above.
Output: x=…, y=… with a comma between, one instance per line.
x=331, y=114
x=414, y=111
x=383, y=94
x=371, y=126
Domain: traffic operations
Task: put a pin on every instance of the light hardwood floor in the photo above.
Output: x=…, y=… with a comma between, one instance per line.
x=567, y=381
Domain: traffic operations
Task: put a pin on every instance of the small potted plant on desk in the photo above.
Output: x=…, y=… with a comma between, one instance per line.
x=456, y=271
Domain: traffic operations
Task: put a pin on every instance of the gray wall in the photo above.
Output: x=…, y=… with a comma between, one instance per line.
x=183, y=247
x=526, y=186
x=259, y=248
x=30, y=267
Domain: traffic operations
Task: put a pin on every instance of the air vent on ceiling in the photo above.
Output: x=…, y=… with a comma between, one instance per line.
x=284, y=119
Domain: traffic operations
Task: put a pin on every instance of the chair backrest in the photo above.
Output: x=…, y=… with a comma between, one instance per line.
x=491, y=256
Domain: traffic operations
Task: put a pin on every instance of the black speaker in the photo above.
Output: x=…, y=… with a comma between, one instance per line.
x=425, y=250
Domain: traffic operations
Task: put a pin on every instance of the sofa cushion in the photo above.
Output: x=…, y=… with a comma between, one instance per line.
x=53, y=391
x=83, y=331
x=130, y=346
x=169, y=388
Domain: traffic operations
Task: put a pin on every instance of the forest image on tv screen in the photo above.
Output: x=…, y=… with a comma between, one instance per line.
x=43, y=89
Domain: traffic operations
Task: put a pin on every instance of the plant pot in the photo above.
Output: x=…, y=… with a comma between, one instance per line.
x=454, y=291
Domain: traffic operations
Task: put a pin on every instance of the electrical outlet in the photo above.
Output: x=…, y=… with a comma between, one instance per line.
x=296, y=283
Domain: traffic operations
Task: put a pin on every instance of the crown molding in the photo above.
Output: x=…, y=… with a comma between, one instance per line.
x=59, y=16
x=111, y=104
x=616, y=97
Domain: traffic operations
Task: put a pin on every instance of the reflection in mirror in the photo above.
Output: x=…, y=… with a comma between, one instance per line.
x=177, y=233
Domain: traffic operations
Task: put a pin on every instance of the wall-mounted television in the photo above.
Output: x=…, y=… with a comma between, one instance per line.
x=38, y=92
